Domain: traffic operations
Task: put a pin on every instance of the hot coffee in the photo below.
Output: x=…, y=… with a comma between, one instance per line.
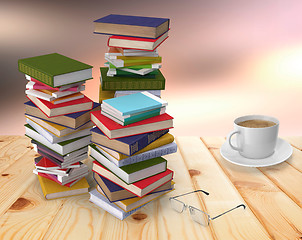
x=256, y=123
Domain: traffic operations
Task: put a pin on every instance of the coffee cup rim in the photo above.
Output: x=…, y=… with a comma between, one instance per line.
x=260, y=117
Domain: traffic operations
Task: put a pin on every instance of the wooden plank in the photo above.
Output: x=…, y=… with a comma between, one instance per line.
x=239, y=224
x=14, y=151
x=30, y=215
x=281, y=216
x=17, y=177
x=5, y=140
x=296, y=142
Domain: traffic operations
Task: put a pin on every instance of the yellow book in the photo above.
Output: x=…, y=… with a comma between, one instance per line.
x=132, y=203
x=166, y=139
x=103, y=95
x=52, y=190
x=58, y=130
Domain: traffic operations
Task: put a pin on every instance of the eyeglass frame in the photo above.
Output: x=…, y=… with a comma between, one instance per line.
x=209, y=218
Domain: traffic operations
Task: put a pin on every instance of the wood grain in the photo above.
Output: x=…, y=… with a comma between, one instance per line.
x=275, y=210
x=239, y=224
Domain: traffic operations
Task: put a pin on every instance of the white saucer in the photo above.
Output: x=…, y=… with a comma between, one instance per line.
x=283, y=151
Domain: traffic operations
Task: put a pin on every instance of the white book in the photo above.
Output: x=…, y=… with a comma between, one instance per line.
x=53, y=172
x=61, y=148
x=124, y=93
x=60, y=94
x=157, y=152
x=74, y=174
x=40, y=95
x=102, y=202
x=129, y=177
x=53, y=138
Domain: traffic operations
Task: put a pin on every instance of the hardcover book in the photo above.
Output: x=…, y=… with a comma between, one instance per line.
x=133, y=172
x=126, y=145
x=46, y=164
x=52, y=190
x=52, y=110
x=130, y=83
x=140, y=188
x=127, y=25
x=124, y=93
x=116, y=51
x=115, y=130
x=134, y=104
x=72, y=120
x=102, y=202
x=133, y=61
x=147, y=44
x=116, y=193
x=55, y=69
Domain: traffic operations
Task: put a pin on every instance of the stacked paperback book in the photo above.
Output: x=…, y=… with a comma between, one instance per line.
x=58, y=121
x=132, y=127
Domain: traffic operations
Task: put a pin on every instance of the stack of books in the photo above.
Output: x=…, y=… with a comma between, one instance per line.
x=132, y=61
x=58, y=121
x=132, y=127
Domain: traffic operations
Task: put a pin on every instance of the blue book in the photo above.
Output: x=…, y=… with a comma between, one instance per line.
x=116, y=193
x=126, y=145
x=130, y=105
x=72, y=120
x=135, y=26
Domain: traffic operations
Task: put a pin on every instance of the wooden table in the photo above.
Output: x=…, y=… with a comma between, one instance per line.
x=273, y=196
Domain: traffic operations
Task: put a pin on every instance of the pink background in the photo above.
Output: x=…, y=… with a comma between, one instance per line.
x=223, y=59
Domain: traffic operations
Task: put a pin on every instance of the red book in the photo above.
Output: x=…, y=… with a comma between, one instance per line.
x=147, y=44
x=139, y=188
x=52, y=110
x=68, y=87
x=114, y=130
x=54, y=178
x=45, y=163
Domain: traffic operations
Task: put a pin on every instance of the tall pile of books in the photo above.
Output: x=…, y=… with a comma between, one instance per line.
x=132, y=127
x=58, y=121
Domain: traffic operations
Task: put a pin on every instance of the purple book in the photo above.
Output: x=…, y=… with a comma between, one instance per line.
x=134, y=143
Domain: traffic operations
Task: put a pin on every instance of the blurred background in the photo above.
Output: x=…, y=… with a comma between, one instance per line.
x=223, y=59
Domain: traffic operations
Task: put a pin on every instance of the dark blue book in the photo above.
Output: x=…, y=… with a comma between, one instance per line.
x=126, y=145
x=116, y=193
x=72, y=120
x=135, y=26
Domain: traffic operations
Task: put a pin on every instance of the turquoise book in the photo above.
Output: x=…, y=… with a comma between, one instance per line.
x=134, y=103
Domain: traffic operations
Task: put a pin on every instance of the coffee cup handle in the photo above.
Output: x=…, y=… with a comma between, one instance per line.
x=229, y=137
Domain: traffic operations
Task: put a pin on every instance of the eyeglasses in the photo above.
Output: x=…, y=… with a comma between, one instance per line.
x=196, y=214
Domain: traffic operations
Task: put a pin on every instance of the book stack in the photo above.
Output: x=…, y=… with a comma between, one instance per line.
x=58, y=121
x=132, y=127
x=132, y=61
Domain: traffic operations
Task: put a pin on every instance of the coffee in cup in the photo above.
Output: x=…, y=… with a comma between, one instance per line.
x=256, y=136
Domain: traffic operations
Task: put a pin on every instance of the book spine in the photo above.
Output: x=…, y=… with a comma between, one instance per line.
x=146, y=140
x=158, y=152
x=133, y=85
x=40, y=76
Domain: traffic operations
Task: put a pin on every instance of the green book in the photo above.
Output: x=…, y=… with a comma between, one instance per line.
x=121, y=73
x=136, y=67
x=130, y=83
x=133, y=172
x=55, y=69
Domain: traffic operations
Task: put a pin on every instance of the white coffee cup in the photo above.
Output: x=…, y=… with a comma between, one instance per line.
x=254, y=143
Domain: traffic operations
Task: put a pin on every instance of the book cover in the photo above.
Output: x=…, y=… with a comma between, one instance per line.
x=115, y=192
x=53, y=110
x=134, y=103
x=128, y=25
x=47, y=164
x=133, y=172
x=115, y=130
x=139, y=188
x=126, y=83
x=126, y=145
x=133, y=61
x=72, y=120
x=54, y=69
x=52, y=190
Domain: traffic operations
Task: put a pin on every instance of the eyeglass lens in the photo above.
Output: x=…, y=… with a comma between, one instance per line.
x=199, y=216
x=177, y=205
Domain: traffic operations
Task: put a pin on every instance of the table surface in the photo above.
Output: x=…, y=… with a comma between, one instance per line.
x=273, y=196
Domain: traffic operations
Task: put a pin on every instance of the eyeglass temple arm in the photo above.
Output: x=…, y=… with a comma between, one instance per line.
x=191, y=192
x=241, y=205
